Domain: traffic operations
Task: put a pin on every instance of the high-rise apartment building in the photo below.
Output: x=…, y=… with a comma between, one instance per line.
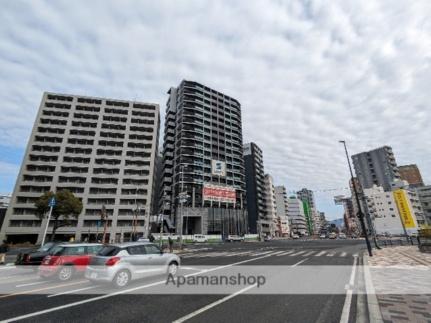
x=411, y=174
x=281, y=207
x=103, y=151
x=376, y=167
x=203, y=172
x=424, y=194
x=4, y=203
x=268, y=224
x=295, y=212
x=309, y=204
x=255, y=185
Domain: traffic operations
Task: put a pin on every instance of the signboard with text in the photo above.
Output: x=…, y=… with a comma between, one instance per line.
x=404, y=209
x=218, y=193
x=218, y=168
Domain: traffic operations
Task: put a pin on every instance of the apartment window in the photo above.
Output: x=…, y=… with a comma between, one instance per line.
x=87, y=108
x=60, y=97
x=144, y=106
x=89, y=100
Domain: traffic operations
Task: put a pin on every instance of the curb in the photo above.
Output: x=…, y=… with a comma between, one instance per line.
x=374, y=312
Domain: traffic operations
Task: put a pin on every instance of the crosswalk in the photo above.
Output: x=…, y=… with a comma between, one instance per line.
x=269, y=253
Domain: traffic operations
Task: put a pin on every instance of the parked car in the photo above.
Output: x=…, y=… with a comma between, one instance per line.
x=322, y=236
x=200, y=238
x=342, y=236
x=66, y=260
x=121, y=263
x=234, y=237
x=33, y=257
x=295, y=236
x=332, y=235
x=267, y=238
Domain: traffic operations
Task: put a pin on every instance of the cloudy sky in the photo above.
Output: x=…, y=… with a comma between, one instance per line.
x=307, y=73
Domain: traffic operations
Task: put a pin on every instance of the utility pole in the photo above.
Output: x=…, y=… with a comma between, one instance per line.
x=360, y=214
x=52, y=202
x=104, y=218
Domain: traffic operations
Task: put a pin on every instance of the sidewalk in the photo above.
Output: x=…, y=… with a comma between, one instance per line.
x=401, y=307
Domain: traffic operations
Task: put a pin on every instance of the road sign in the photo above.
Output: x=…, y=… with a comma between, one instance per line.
x=52, y=202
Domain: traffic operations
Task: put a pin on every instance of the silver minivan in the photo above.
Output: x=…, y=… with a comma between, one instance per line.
x=122, y=263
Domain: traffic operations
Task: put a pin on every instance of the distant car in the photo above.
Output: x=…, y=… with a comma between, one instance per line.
x=200, y=238
x=34, y=257
x=332, y=235
x=342, y=236
x=65, y=260
x=233, y=238
x=267, y=238
x=295, y=236
x=322, y=236
x=142, y=239
x=121, y=263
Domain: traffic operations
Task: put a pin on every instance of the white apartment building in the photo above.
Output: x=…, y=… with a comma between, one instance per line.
x=103, y=151
x=384, y=211
x=281, y=207
x=269, y=224
x=295, y=213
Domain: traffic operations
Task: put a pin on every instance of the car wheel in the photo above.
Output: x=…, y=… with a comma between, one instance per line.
x=172, y=268
x=65, y=273
x=122, y=278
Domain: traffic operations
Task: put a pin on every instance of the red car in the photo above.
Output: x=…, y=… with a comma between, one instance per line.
x=65, y=260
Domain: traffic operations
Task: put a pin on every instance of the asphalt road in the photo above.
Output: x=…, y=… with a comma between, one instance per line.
x=57, y=301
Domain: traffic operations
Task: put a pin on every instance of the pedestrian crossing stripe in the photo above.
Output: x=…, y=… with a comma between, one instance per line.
x=281, y=253
x=320, y=253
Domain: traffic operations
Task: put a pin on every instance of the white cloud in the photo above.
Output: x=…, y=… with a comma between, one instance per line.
x=307, y=73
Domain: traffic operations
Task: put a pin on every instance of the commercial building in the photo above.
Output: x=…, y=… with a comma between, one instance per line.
x=376, y=167
x=103, y=151
x=268, y=225
x=4, y=203
x=388, y=208
x=203, y=171
x=255, y=185
x=295, y=212
x=349, y=215
x=281, y=207
x=309, y=205
x=411, y=174
x=424, y=195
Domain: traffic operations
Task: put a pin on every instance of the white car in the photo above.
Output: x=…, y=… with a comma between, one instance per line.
x=295, y=236
x=200, y=238
x=234, y=237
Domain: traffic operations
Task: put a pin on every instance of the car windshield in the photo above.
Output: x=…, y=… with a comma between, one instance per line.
x=46, y=247
x=108, y=251
x=56, y=250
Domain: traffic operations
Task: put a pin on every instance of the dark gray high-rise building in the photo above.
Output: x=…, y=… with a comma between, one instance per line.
x=376, y=167
x=203, y=172
x=254, y=178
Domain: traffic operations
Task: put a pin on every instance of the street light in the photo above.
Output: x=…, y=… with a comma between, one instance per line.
x=360, y=214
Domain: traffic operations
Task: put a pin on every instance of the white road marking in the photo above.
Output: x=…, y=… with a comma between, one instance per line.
x=343, y=254
x=71, y=291
x=31, y=284
x=348, y=301
x=188, y=268
x=299, y=262
x=93, y=299
x=6, y=267
x=308, y=253
x=209, y=306
x=320, y=253
x=298, y=253
x=330, y=254
x=285, y=253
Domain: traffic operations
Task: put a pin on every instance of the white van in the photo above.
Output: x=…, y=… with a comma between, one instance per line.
x=200, y=238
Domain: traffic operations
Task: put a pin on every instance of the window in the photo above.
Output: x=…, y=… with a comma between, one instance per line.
x=136, y=250
x=93, y=249
x=152, y=249
x=109, y=251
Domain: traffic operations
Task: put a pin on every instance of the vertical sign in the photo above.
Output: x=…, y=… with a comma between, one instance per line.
x=404, y=209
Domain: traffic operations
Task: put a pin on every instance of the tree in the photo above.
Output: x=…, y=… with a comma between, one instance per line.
x=67, y=206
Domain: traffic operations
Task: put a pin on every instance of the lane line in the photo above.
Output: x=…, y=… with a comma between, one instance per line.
x=93, y=299
x=299, y=262
x=348, y=300
x=71, y=291
x=320, y=253
x=30, y=284
x=41, y=289
x=6, y=267
x=214, y=304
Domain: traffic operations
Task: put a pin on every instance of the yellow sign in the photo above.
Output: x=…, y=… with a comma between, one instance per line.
x=404, y=209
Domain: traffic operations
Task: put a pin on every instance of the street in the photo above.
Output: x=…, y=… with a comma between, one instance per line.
x=63, y=301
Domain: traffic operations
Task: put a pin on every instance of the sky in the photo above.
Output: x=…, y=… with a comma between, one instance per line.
x=307, y=74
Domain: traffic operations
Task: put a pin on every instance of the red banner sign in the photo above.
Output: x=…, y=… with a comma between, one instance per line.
x=219, y=193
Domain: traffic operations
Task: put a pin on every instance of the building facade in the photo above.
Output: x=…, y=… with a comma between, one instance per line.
x=269, y=225
x=376, y=167
x=424, y=195
x=310, y=212
x=103, y=151
x=4, y=203
x=411, y=174
x=388, y=208
x=255, y=185
x=203, y=165
x=295, y=212
x=281, y=207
